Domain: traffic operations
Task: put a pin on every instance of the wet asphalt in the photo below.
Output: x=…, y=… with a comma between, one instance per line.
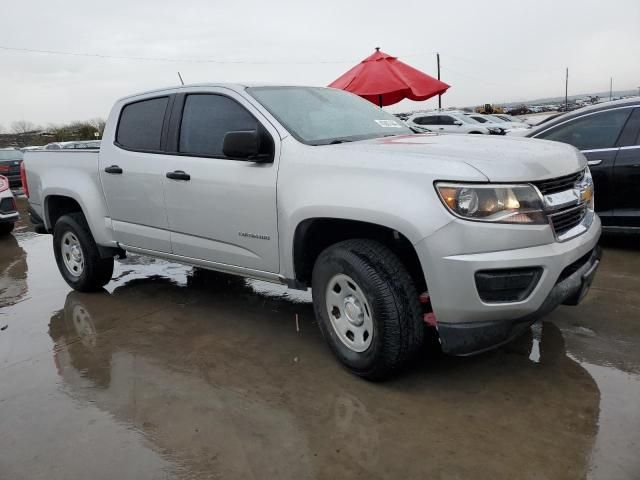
x=175, y=373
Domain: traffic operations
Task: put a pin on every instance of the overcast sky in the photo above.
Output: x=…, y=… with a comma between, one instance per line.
x=491, y=51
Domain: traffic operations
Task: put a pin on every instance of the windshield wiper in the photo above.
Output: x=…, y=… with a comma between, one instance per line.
x=339, y=140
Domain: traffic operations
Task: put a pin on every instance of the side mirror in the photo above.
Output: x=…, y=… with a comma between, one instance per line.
x=244, y=145
x=458, y=123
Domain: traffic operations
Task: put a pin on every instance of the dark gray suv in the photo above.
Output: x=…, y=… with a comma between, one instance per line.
x=609, y=136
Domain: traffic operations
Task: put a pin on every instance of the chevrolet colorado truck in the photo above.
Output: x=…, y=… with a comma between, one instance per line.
x=396, y=233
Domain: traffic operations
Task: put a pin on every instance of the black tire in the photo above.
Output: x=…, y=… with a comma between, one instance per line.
x=97, y=271
x=6, y=228
x=398, y=329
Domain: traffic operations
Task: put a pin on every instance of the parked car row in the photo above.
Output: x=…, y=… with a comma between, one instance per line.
x=463, y=122
x=83, y=145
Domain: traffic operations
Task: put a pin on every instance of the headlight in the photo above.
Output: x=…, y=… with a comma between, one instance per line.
x=493, y=203
x=585, y=187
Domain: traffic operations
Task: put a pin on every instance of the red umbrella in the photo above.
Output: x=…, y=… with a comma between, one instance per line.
x=385, y=80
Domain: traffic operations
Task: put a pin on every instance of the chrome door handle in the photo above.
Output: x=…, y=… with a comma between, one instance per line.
x=593, y=163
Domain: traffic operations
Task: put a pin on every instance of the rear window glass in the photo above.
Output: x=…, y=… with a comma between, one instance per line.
x=140, y=126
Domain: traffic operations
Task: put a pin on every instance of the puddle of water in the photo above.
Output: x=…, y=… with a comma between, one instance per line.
x=172, y=372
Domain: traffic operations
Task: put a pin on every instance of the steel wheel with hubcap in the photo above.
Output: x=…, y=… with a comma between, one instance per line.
x=349, y=313
x=78, y=256
x=72, y=255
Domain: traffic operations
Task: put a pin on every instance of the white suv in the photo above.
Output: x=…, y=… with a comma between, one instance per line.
x=447, y=122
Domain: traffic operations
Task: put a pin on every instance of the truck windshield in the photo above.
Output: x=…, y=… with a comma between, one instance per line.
x=322, y=116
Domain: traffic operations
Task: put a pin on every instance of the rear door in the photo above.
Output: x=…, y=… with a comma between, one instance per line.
x=132, y=170
x=222, y=210
x=626, y=175
x=596, y=136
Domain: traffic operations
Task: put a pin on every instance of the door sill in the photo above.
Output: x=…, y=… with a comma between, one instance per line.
x=218, y=267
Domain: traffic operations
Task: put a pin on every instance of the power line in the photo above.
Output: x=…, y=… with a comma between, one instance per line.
x=167, y=59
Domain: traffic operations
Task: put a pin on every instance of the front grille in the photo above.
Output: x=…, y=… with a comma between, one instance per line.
x=566, y=219
x=559, y=184
x=7, y=205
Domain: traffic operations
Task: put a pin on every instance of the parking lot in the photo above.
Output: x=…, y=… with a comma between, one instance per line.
x=171, y=373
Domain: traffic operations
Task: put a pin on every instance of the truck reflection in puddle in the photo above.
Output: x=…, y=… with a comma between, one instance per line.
x=217, y=378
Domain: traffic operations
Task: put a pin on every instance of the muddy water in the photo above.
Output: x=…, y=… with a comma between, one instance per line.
x=171, y=373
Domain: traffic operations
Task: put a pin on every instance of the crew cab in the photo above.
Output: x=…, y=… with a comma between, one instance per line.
x=396, y=233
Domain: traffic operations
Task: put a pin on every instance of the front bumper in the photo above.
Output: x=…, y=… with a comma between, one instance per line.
x=465, y=322
x=476, y=337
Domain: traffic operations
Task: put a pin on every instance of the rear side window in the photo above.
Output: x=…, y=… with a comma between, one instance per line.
x=599, y=130
x=140, y=126
x=422, y=121
x=206, y=119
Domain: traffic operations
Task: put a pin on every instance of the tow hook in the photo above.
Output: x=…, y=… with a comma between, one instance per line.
x=428, y=316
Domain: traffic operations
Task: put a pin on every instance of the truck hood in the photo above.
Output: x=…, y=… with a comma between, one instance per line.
x=499, y=158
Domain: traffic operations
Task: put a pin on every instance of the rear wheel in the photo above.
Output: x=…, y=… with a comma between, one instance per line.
x=6, y=228
x=367, y=307
x=77, y=255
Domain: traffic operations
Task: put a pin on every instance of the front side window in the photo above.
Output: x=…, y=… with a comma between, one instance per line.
x=590, y=132
x=321, y=116
x=446, y=120
x=140, y=126
x=207, y=118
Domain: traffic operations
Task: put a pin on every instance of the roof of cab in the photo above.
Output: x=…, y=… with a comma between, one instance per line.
x=238, y=87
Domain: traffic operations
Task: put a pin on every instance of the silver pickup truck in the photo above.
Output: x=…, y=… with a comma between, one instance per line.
x=397, y=234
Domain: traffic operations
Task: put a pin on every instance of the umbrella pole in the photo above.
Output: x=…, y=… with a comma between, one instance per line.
x=380, y=100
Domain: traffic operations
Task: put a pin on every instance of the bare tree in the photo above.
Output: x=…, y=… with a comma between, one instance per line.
x=23, y=126
x=98, y=124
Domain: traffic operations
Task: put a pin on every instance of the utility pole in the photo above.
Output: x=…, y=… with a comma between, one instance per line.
x=611, y=89
x=440, y=96
x=566, y=91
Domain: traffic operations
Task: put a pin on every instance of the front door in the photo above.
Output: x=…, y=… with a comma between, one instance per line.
x=626, y=179
x=132, y=172
x=221, y=210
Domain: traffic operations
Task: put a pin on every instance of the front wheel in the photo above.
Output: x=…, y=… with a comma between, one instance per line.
x=77, y=255
x=367, y=307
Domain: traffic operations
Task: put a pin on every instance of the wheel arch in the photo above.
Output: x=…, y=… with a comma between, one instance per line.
x=313, y=235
